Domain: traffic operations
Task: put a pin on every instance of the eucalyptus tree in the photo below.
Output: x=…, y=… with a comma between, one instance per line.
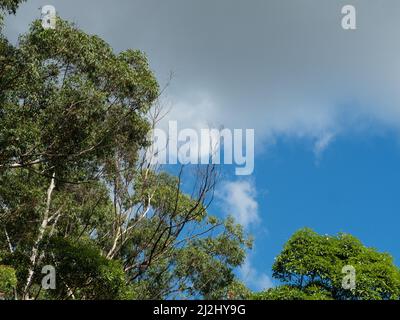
x=77, y=191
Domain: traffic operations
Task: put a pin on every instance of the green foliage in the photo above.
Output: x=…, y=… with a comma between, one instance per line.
x=199, y=267
x=75, y=192
x=206, y=263
x=311, y=266
x=10, y=6
x=288, y=292
x=8, y=281
x=81, y=266
x=73, y=101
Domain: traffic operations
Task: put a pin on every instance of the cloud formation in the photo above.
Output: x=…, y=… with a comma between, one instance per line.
x=256, y=280
x=322, y=143
x=281, y=67
x=238, y=199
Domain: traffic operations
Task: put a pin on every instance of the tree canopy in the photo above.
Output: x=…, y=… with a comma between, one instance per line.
x=310, y=268
x=77, y=191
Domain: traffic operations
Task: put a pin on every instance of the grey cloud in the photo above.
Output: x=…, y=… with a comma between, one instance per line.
x=279, y=66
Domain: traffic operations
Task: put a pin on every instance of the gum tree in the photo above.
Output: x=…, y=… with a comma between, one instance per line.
x=77, y=191
x=8, y=279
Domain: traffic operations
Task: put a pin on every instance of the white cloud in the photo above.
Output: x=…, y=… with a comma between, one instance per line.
x=322, y=144
x=195, y=111
x=193, y=114
x=256, y=280
x=239, y=200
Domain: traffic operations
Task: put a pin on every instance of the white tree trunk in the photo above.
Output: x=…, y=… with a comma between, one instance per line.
x=42, y=229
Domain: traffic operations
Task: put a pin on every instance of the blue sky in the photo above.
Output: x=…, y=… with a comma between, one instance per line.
x=353, y=188
x=324, y=103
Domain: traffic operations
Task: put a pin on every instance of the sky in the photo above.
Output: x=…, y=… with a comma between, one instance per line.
x=323, y=101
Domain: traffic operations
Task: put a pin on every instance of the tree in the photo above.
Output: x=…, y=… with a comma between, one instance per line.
x=310, y=268
x=10, y=6
x=77, y=190
x=8, y=280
